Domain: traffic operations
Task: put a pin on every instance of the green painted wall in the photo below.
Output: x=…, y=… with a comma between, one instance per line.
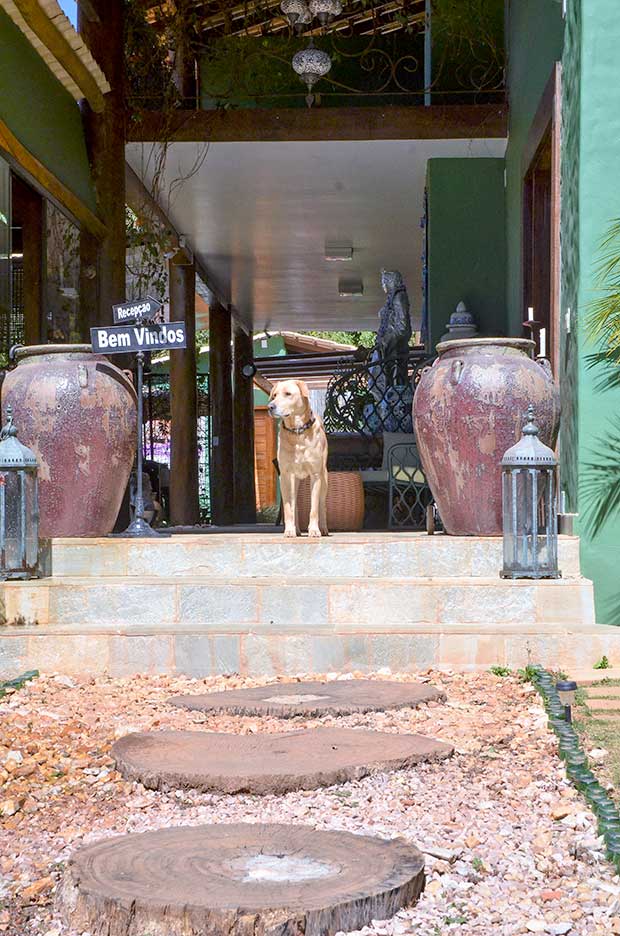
x=569, y=223
x=535, y=31
x=466, y=242
x=599, y=203
x=41, y=113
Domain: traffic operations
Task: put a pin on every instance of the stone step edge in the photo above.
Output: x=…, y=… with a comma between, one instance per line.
x=468, y=581
x=172, y=629
x=360, y=538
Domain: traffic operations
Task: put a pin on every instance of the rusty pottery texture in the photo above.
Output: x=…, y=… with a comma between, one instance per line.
x=77, y=412
x=468, y=409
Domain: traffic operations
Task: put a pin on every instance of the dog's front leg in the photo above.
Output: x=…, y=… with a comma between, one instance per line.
x=288, y=489
x=314, y=524
x=323, y=506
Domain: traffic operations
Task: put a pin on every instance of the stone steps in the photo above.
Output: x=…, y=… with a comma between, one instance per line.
x=201, y=652
x=290, y=604
x=346, y=555
x=260, y=604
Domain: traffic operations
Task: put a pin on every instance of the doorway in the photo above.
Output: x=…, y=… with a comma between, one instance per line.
x=541, y=226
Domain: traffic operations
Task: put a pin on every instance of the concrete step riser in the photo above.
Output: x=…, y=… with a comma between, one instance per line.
x=230, y=556
x=294, y=606
x=268, y=655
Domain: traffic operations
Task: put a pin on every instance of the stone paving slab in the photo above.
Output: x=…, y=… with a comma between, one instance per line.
x=238, y=879
x=267, y=763
x=340, y=697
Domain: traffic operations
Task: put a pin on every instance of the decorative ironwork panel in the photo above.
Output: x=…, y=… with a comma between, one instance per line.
x=371, y=397
x=409, y=493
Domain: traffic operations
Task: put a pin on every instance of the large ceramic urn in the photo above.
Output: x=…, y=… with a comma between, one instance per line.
x=77, y=412
x=468, y=409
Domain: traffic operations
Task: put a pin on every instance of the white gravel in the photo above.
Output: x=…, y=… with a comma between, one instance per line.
x=498, y=861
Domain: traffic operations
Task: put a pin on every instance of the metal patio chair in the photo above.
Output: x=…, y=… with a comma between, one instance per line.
x=410, y=501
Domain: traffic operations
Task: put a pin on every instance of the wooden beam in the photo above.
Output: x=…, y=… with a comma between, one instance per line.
x=263, y=384
x=59, y=46
x=220, y=391
x=47, y=182
x=103, y=265
x=142, y=202
x=437, y=122
x=27, y=213
x=184, y=508
x=243, y=427
x=89, y=11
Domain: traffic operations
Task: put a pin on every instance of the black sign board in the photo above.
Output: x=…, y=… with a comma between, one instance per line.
x=144, y=310
x=123, y=339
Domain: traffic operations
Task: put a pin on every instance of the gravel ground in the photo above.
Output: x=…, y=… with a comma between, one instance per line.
x=511, y=848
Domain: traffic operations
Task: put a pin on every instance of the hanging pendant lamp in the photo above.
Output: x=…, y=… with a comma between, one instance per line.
x=311, y=64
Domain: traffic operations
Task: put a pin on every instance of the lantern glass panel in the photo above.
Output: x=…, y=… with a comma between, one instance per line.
x=18, y=520
x=32, y=518
x=529, y=515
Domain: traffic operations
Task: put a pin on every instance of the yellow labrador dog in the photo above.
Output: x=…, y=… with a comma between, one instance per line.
x=302, y=453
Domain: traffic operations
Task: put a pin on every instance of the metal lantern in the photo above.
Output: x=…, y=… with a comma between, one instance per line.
x=296, y=12
x=567, y=691
x=19, y=506
x=325, y=10
x=529, y=507
x=311, y=65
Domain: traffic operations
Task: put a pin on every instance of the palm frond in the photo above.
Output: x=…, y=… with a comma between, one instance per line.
x=608, y=365
x=604, y=310
x=600, y=485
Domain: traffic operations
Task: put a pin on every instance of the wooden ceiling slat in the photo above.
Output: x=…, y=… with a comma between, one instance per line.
x=218, y=19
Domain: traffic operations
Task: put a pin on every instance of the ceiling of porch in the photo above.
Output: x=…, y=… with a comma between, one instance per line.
x=259, y=214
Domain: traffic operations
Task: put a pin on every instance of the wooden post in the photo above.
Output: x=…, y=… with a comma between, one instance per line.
x=102, y=263
x=243, y=427
x=220, y=386
x=184, y=506
x=184, y=58
x=28, y=213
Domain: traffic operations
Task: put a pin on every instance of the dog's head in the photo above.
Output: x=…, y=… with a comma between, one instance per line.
x=289, y=398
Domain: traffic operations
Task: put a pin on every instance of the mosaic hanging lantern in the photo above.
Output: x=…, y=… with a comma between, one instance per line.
x=311, y=65
x=296, y=12
x=325, y=10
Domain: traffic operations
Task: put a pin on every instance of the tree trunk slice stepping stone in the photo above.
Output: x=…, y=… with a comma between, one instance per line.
x=340, y=697
x=238, y=880
x=267, y=763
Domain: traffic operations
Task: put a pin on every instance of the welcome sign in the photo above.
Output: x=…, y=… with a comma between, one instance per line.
x=140, y=310
x=123, y=339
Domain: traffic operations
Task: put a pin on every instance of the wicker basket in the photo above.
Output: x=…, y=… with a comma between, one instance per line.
x=345, y=502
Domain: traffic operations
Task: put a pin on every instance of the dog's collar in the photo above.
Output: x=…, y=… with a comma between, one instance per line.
x=303, y=428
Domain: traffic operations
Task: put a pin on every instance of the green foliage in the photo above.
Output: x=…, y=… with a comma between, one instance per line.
x=603, y=663
x=600, y=484
x=601, y=477
x=604, y=314
x=146, y=264
x=478, y=864
x=500, y=670
x=360, y=339
x=18, y=682
x=528, y=674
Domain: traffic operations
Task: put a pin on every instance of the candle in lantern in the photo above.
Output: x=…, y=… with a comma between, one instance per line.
x=530, y=313
x=543, y=342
